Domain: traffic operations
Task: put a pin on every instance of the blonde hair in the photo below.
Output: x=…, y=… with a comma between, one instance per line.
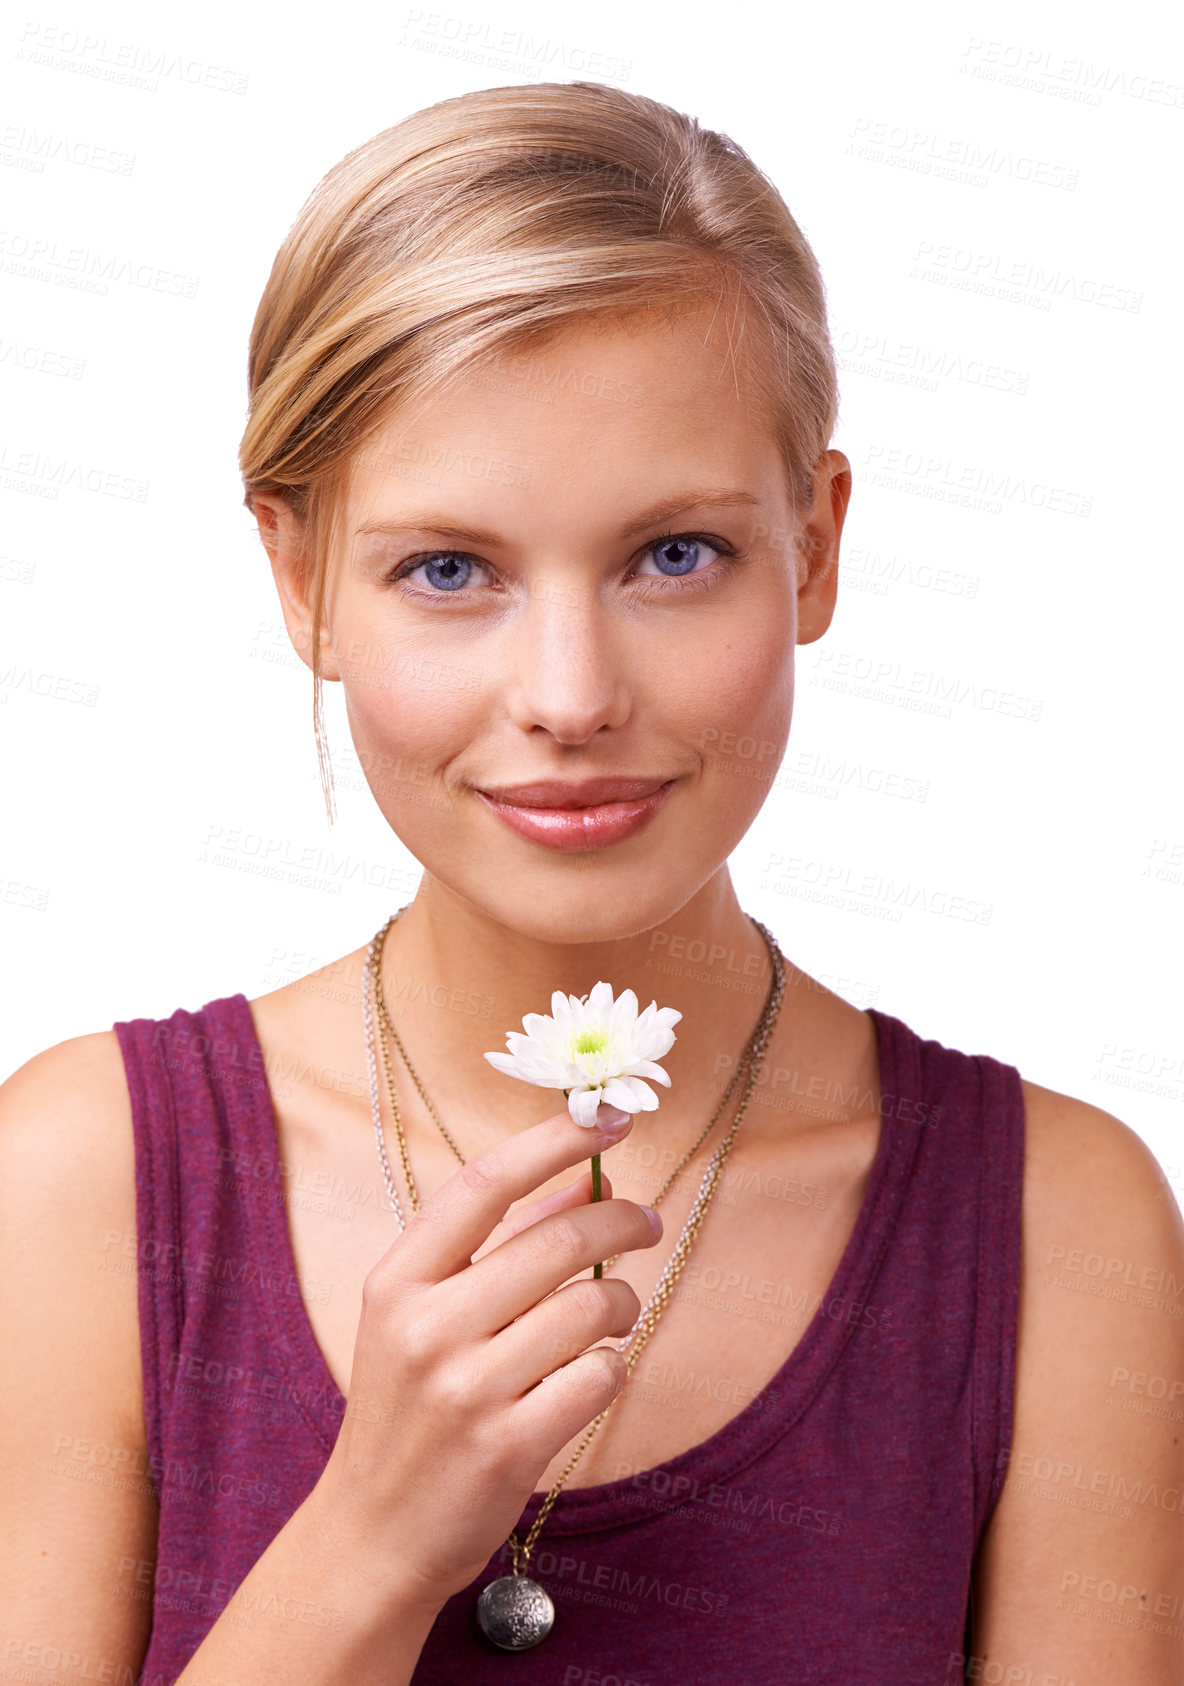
x=490, y=222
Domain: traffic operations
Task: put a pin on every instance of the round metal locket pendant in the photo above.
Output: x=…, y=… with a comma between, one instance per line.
x=515, y=1613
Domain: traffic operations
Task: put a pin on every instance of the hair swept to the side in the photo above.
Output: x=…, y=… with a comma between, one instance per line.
x=490, y=222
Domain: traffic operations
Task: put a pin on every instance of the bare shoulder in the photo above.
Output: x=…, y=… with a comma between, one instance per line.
x=71, y=1391
x=67, y=1195
x=81, y=1080
x=1080, y=1571
x=67, y=1105
x=1103, y=1245
x=1077, y=1152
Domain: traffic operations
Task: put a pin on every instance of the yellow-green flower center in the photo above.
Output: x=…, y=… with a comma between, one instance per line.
x=591, y=1042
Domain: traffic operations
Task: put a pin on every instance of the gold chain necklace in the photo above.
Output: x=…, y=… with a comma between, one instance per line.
x=515, y=1612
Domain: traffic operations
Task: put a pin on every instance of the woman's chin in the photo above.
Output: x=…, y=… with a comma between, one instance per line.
x=576, y=914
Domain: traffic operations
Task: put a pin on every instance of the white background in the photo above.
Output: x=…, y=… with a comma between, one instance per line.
x=985, y=188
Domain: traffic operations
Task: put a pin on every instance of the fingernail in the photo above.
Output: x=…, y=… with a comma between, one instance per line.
x=655, y=1220
x=611, y=1120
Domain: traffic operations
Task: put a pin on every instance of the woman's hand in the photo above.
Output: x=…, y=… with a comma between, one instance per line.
x=471, y=1369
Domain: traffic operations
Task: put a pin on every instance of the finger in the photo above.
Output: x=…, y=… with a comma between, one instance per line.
x=525, y=1269
x=559, y=1329
x=578, y=1193
x=566, y=1402
x=441, y=1238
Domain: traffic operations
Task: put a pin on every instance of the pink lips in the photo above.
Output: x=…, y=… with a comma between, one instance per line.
x=588, y=815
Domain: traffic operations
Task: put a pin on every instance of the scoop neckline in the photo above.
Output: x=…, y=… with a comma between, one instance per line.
x=768, y=1416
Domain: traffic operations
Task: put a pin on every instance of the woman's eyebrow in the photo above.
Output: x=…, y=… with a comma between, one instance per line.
x=429, y=521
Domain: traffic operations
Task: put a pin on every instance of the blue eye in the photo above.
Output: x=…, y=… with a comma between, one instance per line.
x=444, y=572
x=676, y=553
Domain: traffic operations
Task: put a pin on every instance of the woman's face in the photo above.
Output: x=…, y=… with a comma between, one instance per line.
x=578, y=567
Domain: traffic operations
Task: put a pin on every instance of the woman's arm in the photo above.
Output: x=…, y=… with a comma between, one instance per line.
x=1081, y=1572
x=78, y=1514
x=379, y=1620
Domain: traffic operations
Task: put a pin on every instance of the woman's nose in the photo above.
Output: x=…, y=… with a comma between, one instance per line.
x=567, y=671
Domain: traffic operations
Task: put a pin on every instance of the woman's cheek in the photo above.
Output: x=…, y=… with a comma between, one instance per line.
x=741, y=692
x=407, y=724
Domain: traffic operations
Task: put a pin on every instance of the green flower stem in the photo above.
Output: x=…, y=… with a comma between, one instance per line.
x=597, y=1269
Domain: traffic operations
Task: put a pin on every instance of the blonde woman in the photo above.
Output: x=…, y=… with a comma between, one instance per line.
x=301, y=1376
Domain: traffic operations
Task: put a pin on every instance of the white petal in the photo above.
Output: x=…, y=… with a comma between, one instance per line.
x=624, y=1015
x=654, y=1016
x=647, y=1068
x=504, y=1062
x=551, y=1045
x=537, y=1025
x=643, y=1097
x=555, y=1051
x=531, y=1057
x=583, y=1105
x=593, y=1068
x=541, y=1075
x=600, y=1001
x=617, y=1092
x=645, y=1026
x=653, y=1039
x=517, y=1043
x=657, y=1046
x=548, y=1074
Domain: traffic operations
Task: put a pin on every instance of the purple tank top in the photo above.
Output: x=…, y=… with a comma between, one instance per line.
x=826, y=1533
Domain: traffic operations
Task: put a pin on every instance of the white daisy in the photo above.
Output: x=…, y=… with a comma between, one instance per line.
x=595, y=1048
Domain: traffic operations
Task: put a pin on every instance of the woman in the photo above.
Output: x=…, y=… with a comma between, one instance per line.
x=541, y=396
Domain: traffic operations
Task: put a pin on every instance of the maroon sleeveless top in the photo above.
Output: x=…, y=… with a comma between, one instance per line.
x=826, y=1533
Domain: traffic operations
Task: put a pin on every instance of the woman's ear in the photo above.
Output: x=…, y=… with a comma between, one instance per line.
x=282, y=535
x=818, y=575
